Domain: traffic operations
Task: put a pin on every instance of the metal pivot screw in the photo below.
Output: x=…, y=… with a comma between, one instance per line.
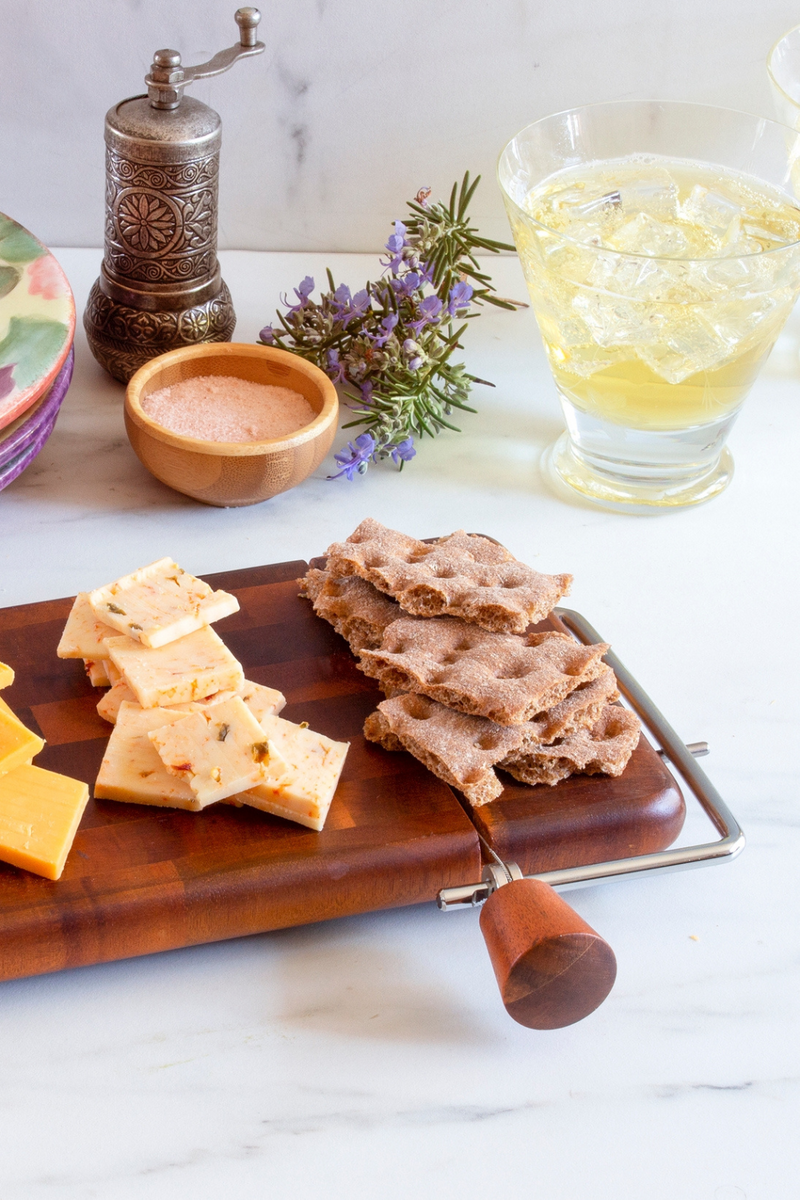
x=168, y=78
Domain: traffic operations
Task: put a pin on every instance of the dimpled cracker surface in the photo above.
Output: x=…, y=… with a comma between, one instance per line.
x=505, y=677
x=603, y=748
x=355, y=608
x=459, y=749
x=462, y=575
x=581, y=707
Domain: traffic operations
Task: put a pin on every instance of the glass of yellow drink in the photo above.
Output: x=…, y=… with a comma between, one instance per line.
x=661, y=246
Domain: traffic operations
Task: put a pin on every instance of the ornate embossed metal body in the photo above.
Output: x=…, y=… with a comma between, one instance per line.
x=160, y=285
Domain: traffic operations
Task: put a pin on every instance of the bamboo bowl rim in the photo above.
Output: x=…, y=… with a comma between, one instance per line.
x=316, y=378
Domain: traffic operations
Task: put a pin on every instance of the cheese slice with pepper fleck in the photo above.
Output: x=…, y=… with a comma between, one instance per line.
x=131, y=769
x=190, y=669
x=97, y=671
x=262, y=701
x=83, y=634
x=7, y=675
x=18, y=745
x=40, y=812
x=313, y=766
x=259, y=699
x=220, y=751
x=160, y=603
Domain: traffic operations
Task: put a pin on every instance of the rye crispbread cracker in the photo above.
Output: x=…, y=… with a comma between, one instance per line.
x=355, y=609
x=503, y=676
x=463, y=575
x=603, y=748
x=462, y=750
x=459, y=749
x=580, y=708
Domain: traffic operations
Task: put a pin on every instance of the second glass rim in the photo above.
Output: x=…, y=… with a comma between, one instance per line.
x=771, y=73
x=689, y=104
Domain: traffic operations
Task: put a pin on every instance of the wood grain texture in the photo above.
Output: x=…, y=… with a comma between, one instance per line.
x=551, y=967
x=139, y=879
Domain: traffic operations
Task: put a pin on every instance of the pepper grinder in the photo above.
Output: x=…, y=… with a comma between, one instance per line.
x=160, y=285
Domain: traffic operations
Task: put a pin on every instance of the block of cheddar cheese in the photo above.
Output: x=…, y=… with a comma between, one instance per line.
x=220, y=750
x=160, y=603
x=18, y=745
x=314, y=763
x=6, y=676
x=39, y=815
x=191, y=668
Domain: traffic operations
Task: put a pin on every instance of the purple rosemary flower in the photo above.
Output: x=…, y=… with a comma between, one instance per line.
x=366, y=394
x=428, y=310
x=358, y=307
x=267, y=336
x=422, y=196
x=403, y=451
x=396, y=245
x=415, y=354
x=459, y=298
x=408, y=284
x=302, y=292
x=387, y=328
x=341, y=297
x=356, y=457
x=335, y=368
x=398, y=239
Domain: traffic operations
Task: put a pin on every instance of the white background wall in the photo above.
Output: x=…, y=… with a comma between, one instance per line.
x=356, y=103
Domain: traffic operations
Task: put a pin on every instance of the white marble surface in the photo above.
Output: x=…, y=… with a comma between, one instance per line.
x=355, y=104
x=372, y=1055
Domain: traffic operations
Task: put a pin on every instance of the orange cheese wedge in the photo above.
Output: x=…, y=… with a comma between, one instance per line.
x=39, y=816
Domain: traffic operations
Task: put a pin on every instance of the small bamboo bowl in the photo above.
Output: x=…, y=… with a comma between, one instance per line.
x=231, y=474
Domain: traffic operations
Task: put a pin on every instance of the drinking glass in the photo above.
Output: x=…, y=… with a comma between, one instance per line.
x=654, y=344
x=783, y=68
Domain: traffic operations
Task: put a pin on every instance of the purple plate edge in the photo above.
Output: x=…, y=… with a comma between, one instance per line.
x=26, y=434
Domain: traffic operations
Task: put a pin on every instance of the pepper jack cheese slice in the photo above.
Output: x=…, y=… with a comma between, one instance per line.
x=39, y=816
x=259, y=699
x=190, y=669
x=97, y=670
x=314, y=763
x=17, y=744
x=131, y=770
x=220, y=751
x=160, y=603
x=262, y=701
x=83, y=634
x=7, y=675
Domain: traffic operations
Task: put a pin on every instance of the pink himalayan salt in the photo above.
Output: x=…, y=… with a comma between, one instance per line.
x=222, y=408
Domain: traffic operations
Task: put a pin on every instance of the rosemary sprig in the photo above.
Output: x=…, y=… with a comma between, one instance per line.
x=389, y=345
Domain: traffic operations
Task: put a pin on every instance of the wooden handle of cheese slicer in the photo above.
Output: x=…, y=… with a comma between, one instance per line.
x=552, y=968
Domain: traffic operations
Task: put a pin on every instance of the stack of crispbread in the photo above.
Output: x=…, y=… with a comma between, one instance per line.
x=442, y=628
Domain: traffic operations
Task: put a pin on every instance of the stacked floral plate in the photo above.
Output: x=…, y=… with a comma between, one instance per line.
x=37, y=327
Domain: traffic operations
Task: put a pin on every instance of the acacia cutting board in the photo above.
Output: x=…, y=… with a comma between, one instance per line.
x=141, y=879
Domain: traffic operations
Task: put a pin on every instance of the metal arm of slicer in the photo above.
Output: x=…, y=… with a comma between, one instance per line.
x=168, y=78
x=553, y=968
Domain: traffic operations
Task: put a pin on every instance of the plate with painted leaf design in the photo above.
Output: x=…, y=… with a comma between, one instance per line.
x=37, y=319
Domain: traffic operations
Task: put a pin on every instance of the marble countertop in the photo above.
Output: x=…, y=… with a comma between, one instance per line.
x=374, y=1052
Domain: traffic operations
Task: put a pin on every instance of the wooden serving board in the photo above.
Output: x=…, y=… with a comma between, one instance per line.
x=140, y=879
